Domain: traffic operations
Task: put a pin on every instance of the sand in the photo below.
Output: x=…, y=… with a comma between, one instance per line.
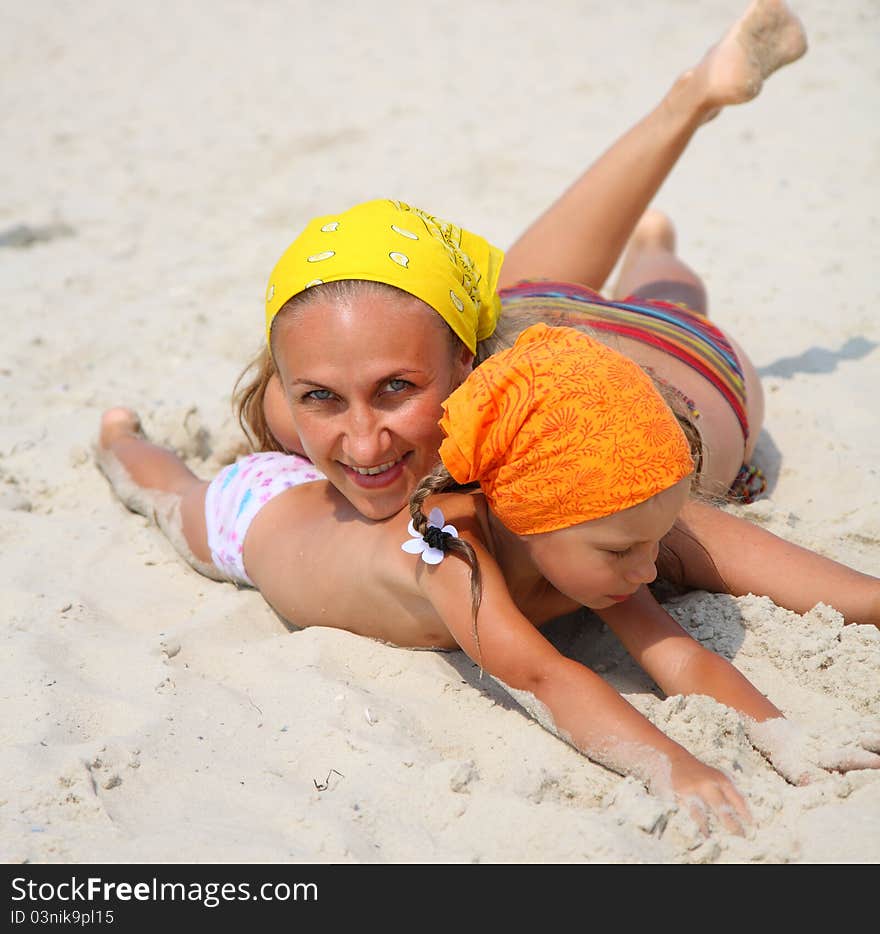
x=156, y=160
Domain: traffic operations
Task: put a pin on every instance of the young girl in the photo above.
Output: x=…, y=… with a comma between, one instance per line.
x=583, y=470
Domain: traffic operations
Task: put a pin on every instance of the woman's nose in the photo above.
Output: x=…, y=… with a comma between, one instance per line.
x=366, y=442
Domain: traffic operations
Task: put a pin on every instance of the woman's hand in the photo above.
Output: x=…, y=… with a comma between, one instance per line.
x=707, y=792
x=800, y=757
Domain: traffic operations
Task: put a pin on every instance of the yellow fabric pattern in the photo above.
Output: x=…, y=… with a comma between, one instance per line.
x=560, y=429
x=452, y=270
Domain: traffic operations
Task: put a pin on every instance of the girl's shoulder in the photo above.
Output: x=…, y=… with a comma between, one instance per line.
x=466, y=512
x=463, y=515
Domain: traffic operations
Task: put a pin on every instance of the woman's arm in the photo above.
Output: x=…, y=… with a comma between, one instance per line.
x=723, y=553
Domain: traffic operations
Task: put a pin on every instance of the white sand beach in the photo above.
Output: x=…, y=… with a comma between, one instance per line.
x=157, y=158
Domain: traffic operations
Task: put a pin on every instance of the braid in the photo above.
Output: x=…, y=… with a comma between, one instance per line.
x=440, y=481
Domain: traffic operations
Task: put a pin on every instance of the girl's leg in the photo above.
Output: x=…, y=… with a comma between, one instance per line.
x=155, y=482
x=721, y=553
x=580, y=237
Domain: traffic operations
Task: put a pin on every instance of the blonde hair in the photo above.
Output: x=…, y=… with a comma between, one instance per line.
x=247, y=402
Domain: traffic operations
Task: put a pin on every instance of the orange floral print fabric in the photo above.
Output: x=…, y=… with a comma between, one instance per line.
x=560, y=429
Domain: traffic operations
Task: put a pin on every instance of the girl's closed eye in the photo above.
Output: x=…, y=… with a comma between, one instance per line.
x=619, y=553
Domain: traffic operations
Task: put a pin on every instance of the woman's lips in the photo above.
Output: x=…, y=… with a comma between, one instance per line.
x=374, y=481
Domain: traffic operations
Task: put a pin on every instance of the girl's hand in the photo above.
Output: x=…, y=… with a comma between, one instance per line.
x=800, y=757
x=707, y=792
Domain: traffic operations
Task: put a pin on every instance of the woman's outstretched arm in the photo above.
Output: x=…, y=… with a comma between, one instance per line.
x=723, y=553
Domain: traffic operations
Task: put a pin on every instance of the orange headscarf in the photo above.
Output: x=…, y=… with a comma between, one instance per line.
x=560, y=429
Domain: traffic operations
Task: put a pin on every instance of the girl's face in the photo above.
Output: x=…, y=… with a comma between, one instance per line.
x=365, y=380
x=605, y=561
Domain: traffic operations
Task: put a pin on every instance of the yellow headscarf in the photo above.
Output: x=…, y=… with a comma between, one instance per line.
x=560, y=429
x=452, y=270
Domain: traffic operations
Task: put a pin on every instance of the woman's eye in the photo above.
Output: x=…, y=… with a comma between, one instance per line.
x=621, y=554
x=318, y=395
x=398, y=385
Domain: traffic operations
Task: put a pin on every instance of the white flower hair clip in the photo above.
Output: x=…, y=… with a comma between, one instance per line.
x=434, y=544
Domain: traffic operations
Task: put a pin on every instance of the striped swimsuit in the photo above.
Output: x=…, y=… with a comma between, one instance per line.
x=675, y=329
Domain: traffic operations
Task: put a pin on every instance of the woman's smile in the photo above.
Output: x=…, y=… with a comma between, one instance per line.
x=371, y=478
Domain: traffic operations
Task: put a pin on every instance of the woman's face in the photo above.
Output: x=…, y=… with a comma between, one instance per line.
x=365, y=380
x=605, y=561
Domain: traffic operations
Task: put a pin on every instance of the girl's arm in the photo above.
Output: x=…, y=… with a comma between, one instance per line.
x=574, y=702
x=676, y=661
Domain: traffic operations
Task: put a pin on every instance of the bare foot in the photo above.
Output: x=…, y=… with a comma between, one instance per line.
x=147, y=478
x=152, y=481
x=766, y=37
x=118, y=423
